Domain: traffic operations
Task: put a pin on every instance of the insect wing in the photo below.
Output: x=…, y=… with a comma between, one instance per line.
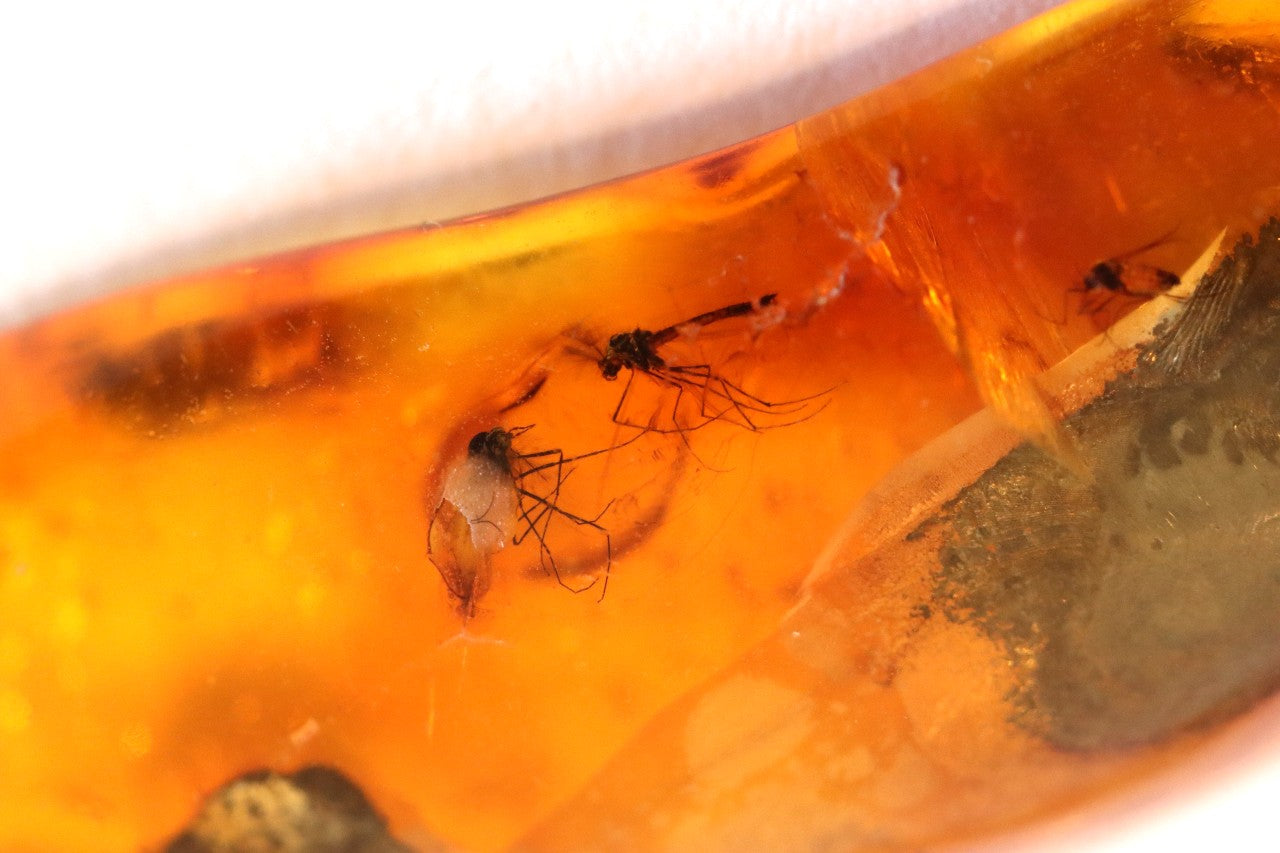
x=463, y=568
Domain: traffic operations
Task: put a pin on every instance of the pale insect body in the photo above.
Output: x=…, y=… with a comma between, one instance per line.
x=483, y=489
x=487, y=502
x=475, y=518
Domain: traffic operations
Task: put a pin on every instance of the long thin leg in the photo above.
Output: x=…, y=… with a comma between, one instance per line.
x=538, y=521
x=743, y=402
x=714, y=386
x=566, y=460
x=532, y=522
x=617, y=410
x=593, y=522
x=766, y=406
x=652, y=426
x=551, y=509
x=704, y=379
x=547, y=503
x=784, y=409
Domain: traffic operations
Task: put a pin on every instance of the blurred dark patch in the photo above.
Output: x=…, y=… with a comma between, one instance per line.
x=722, y=167
x=197, y=374
x=1224, y=58
x=316, y=809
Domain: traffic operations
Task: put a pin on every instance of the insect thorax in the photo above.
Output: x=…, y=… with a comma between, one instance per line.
x=1104, y=276
x=494, y=444
x=630, y=349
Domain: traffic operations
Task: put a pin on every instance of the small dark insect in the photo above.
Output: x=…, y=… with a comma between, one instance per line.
x=1138, y=280
x=1122, y=277
x=491, y=497
x=718, y=398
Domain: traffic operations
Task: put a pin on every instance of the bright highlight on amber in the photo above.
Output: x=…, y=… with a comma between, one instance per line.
x=320, y=541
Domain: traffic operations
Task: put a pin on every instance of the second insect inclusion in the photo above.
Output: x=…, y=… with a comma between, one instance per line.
x=519, y=489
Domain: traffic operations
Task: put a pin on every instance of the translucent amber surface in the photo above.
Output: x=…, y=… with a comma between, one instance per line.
x=215, y=492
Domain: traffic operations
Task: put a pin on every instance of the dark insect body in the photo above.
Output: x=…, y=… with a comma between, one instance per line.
x=1138, y=280
x=1121, y=277
x=718, y=397
x=637, y=350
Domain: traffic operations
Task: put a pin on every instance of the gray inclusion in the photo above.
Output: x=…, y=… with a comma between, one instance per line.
x=1146, y=599
x=315, y=810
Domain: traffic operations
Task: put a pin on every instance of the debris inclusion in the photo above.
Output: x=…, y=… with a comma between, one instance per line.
x=1144, y=600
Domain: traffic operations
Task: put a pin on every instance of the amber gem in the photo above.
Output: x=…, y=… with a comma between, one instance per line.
x=215, y=491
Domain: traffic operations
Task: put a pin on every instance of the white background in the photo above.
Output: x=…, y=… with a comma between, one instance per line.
x=143, y=140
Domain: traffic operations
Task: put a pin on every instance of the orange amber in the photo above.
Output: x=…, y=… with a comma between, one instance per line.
x=215, y=492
